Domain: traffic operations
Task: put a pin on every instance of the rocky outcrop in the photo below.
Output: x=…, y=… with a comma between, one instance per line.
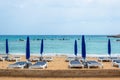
x=115, y=36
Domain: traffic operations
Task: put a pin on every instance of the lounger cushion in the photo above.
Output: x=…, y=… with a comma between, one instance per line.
x=75, y=62
x=117, y=61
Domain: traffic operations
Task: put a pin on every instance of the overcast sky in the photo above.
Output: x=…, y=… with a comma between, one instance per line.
x=52, y=17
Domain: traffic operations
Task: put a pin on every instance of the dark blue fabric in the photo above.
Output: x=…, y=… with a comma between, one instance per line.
x=7, y=49
x=75, y=48
x=83, y=47
x=28, y=48
x=41, y=50
x=109, y=47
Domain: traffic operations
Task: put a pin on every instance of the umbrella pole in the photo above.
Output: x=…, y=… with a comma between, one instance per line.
x=41, y=57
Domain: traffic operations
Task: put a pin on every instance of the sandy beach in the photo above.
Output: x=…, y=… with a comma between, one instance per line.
x=59, y=63
x=23, y=78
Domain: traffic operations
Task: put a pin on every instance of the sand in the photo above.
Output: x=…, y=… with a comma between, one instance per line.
x=59, y=63
x=23, y=78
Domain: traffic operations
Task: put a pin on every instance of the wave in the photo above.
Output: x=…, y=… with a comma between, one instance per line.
x=66, y=54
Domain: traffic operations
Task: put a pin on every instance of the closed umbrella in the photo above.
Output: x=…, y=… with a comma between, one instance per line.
x=75, y=48
x=28, y=49
x=109, y=47
x=7, y=48
x=41, y=49
x=83, y=48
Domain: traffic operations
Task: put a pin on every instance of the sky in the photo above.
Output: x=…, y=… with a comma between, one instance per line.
x=59, y=17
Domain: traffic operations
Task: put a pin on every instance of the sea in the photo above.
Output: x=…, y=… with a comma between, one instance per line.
x=96, y=45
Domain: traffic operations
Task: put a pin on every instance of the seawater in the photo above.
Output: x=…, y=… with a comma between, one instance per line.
x=59, y=44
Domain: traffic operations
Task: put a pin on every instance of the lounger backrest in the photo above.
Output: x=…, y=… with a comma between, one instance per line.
x=75, y=62
x=40, y=63
x=117, y=61
x=92, y=62
x=20, y=63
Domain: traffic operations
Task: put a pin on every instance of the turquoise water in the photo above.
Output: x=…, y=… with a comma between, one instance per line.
x=59, y=44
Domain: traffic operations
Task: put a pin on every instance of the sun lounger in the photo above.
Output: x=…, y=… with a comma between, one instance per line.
x=116, y=62
x=102, y=59
x=107, y=58
x=73, y=58
x=20, y=65
x=13, y=58
x=2, y=59
x=34, y=59
x=48, y=59
x=94, y=64
x=113, y=58
x=18, y=58
x=75, y=64
x=39, y=65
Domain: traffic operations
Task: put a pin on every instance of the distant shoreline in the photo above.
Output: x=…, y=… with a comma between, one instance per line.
x=62, y=54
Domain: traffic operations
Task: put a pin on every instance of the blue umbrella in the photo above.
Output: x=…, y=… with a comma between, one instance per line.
x=83, y=48
x=28, y=49
x=75, y=48
x=41, y=49
x=7, y=48
x=109, y=47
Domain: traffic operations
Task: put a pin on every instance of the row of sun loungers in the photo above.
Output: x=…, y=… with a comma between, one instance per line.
x=89, y=64
x=14, y=58
x=115, y=60
x=17, y=58
x=78, y=62
x=73, y=62
x=102, y=59
x=48, y=59
x=39, y=64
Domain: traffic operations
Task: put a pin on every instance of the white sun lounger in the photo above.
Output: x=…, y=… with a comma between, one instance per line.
x=102, y=59
x=11, y=59
x=2, y=59
x=34, y=59
x=75, y=64
x=116, y=62
x=107, y=58
x=20, y=65
x=94, y=64
x=39, y=65
x=14, y=58
x=48, y=59
x=73, y=58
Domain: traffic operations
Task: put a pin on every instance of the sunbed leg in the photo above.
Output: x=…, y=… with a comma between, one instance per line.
x=119, y=65
x=22, y=67
x=88, y=67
